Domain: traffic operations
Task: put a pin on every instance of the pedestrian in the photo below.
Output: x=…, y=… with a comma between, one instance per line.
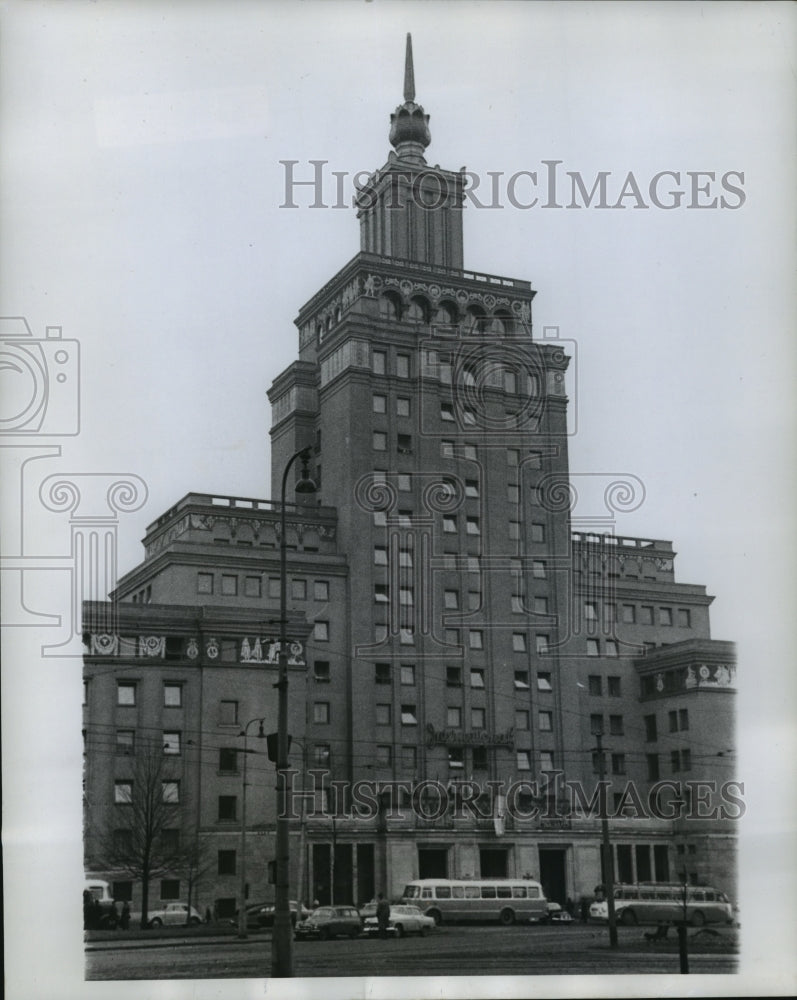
x=382, y=915
x=124, y=920
x=584, y=904
x=570, y=906
x=208, y=915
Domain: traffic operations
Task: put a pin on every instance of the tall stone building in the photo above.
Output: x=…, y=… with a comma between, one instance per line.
x=468, y=659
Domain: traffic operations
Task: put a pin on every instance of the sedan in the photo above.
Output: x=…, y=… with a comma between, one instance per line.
x=262, y=914
x=403, y=920
x=330, y=921
x=175, y=914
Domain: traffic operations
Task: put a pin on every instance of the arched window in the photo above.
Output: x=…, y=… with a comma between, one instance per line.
x=445, y=314
x=388, y=306
x=474, y=319
x=418, y=310
x=501, y=323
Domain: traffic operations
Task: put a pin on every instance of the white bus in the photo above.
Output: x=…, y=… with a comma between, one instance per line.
x=506, y=900
x=660, y=903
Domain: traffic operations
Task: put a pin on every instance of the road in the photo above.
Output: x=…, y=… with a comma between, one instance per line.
x=448, y=951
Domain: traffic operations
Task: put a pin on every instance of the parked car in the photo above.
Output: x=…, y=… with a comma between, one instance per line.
x=403, y=920
x=262, y=914
x=557, y=914
x=99, y=908
x=174, y=914
x=330, y=921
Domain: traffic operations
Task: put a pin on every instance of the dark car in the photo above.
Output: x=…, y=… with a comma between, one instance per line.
x=328, y=922
x=262, y=914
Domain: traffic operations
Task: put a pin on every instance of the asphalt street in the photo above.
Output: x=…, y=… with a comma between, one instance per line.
x=448, y=951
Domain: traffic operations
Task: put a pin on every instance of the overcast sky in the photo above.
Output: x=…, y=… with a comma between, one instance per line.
x=141, y=212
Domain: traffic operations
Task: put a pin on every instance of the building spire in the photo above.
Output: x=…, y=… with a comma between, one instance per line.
x=409, y=126
x=409, y=72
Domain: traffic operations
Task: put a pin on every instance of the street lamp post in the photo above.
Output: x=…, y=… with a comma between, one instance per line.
x=242, y=905
x=282, y=936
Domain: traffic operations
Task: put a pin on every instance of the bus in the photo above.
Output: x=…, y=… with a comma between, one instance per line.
x=664, y=903
x=506, y=900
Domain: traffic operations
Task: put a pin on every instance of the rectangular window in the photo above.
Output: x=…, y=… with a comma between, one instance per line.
x=595, y=685
x=407, y=673
x=521, y=718
x=537, y=532
x=673, y=720
x=540, y=605
x=321, y=590
x=321, y=672
x=402, y=406
x=456, y=761
x=546, y=760
x=379, y=403
x=454, y=716
x=384, y=756
x=611, y=648
x=252, y=586
x=596, y=724
x=683, y=718
x=651, y=734
x=478, y=718
x=453, y=677
x=274, y=587
x=382, y=673
x=544, y=682
x=226, y=862
x=299, y=590
x=403, y=365
x=684, y=618
x=228, y=807
x=379, y=362
x=447, y=447
x=477, y=678
x=383, y=715
x=545, y=720
x=170, y=792
x=450, y=523
x=519, y=642
x=538, y=569
x=522, y=680
x=172, y=744
x=404, y=483
x=646, y=615
x=406, y=637
x=380, y=555
x=381, y=594
x=229, y=585
x=675, y=761
x=321, y=755
x=404, y=444
x=228, y=760
x=170, y=888
x=686, y=760
x=512, y=457
x=610, y=612
x=614, y=686
x=653, y=766
x=321, y=713
x=228, y=713
x=204, y=583
x=379, y=441
x=590, y=611
x=125, y=693
x=123, y=792
x=408, y=717
x=593, y=647
x=475, y=638
x=542, y=644
x=516, y=603
x=472, y=526
x=321, y=631
x=447, y=413
x=451, y=599
x=629, y=614
x=472, y=489
x=406, y=597
x=125, y=742
x=665, y=616
x=523, y=760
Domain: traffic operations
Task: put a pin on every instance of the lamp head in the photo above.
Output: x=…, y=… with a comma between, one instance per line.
x=304, y=483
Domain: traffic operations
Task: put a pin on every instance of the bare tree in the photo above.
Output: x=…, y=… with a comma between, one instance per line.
x=144, y=842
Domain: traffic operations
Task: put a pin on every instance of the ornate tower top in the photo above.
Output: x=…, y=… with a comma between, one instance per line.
x=409, y=126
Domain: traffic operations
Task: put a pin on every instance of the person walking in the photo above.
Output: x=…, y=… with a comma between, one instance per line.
x=124, y=920
x=382, y=915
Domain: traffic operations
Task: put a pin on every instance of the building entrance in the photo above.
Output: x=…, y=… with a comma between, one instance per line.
x=552, y=873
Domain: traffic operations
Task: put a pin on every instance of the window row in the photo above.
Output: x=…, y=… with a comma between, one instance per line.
x=125, y=790
x=678, y=721
x=642, y=614
x=680, y=760
x=609, y=647
x=127, y=694
x=171, y=742
x=379, y=404
x=229, y=585
x=613, y=685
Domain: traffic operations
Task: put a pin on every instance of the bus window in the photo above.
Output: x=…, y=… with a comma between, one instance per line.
x=631, y=894
x=647, y=894
x=518, y=892
x=663, y=894
x=698, y=897
x=504, y=892
x=710, y=896
x=444, y=892
x=458, y=891
x=488, y=892
x=534, y=892
x=472, y=892
x=426, y=892
x=412, y=892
